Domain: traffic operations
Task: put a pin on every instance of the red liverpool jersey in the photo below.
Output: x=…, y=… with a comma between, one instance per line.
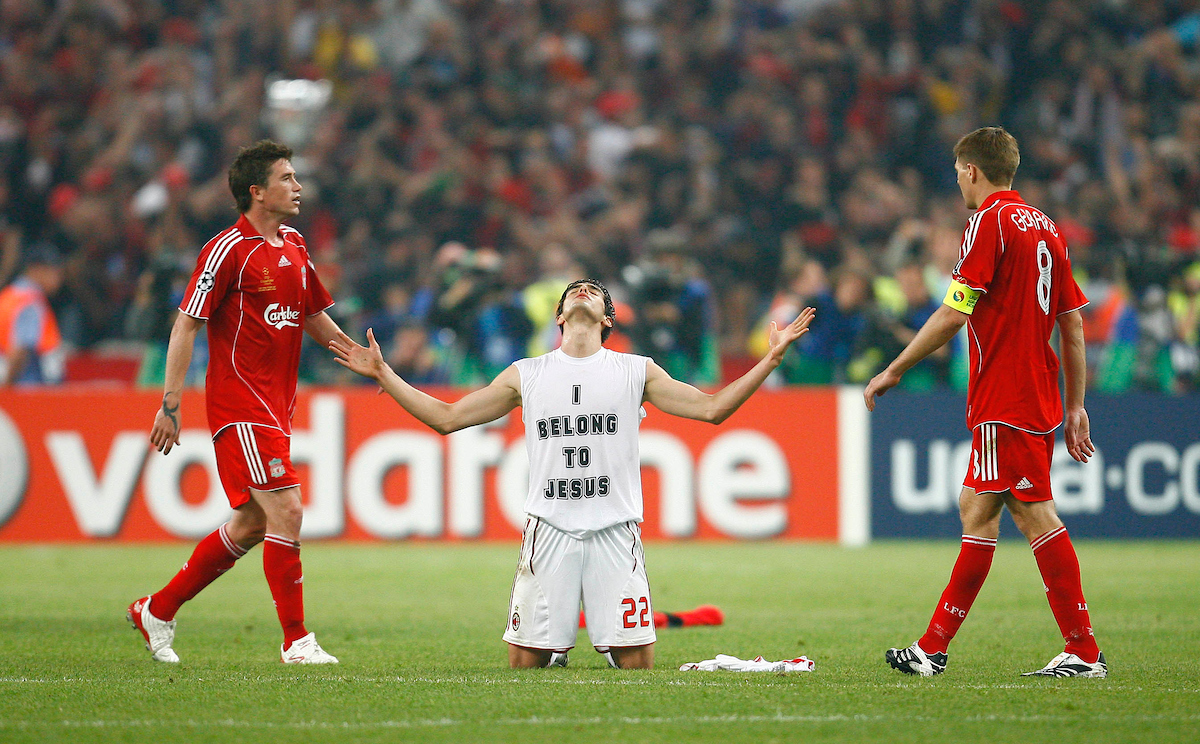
x=1015, y=254
x=255, y=298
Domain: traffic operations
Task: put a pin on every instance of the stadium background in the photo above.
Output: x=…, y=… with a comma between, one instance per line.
x=718, y=164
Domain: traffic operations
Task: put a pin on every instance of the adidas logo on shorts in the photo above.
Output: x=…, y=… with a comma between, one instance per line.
x=1024, y=484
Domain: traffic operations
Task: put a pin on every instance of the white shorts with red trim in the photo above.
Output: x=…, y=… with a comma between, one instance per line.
x=606, y=572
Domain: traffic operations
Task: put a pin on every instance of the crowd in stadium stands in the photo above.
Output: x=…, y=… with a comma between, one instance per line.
x=718, y=163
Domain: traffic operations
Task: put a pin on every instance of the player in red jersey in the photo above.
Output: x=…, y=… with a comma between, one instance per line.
x=256, y=290
x=1011, y=286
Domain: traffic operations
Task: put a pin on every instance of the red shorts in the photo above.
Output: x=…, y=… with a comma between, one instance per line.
x=253, y=457
x=1008, y=459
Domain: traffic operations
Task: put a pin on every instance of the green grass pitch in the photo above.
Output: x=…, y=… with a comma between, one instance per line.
x=417, y=628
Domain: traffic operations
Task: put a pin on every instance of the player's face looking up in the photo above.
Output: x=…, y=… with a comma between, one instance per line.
x=282, y=192
x=573, y=296
x=587, y=295
x=586, y=298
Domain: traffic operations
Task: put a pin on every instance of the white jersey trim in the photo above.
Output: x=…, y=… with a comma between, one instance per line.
x=1064, y=312
x=1000, y=224
x=215, y=259
x=1018, y=428
x=318, y=312
x=975, y=337
x=969, y=238
x=250, y=423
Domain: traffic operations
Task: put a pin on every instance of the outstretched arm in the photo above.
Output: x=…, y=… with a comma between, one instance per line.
x=681, y=399
x=1077, y=430
x=165, y=433
x=940, y=328
x=479, y=407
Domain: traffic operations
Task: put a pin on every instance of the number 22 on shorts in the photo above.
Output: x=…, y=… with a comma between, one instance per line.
x=632, y=618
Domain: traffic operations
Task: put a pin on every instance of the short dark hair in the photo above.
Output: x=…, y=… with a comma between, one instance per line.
x=993, y=151
x=252, y=167
x=610, y=311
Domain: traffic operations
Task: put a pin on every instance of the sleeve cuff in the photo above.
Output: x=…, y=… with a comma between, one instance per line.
x=1085, y=304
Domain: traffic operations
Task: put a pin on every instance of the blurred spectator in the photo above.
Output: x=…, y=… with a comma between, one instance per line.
x=540, y=298
x=478, y=320
x=30, y=342
x=1184, y=304
x=840, y=333
x=673, y=322
x=551, y=134
x=887, y=336
x=151, y=316
x=807, y=281
x=1138, y=354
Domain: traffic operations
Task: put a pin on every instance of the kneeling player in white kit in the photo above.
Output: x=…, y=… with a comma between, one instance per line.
x=582, y=405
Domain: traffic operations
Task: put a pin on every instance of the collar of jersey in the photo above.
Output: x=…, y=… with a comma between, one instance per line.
x=1010, y=195
x=578, y=360
x=247, y=230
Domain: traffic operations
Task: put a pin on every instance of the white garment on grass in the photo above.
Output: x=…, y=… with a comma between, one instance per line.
x=757, y=664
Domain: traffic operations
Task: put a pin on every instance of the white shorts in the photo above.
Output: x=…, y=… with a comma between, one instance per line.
x=555, y=572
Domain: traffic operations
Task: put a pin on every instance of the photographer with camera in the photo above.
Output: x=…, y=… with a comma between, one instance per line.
x=673, y=309
x=480, y=323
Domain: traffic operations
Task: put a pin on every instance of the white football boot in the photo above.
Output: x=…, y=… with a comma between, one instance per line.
x=159, y=634
x=914, y=660
x=306, y=650
x=1070, y=665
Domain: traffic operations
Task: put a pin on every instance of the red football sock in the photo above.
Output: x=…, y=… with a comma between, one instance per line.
x=285, y=576
x=213, y=556
x=970, y=570
x=1059, y=565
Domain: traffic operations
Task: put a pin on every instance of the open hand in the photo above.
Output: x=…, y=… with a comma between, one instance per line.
x=781, y=338
x=365, y=360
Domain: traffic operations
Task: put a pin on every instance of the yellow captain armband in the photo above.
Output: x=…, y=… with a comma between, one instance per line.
x=961, y=297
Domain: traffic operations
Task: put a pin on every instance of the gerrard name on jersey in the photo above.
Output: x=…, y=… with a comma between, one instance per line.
x=1028, y=219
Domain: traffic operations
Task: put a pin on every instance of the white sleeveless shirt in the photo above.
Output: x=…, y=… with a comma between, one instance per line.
x=581, y=430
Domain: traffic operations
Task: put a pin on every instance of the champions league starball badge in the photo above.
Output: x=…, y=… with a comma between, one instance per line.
x=206, y=281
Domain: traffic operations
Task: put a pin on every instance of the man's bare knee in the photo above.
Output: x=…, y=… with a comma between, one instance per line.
x=980, y=513
x=284, y=510
x=633, y=657
x=248, y=525
x=520, y=657
x=1033, y=519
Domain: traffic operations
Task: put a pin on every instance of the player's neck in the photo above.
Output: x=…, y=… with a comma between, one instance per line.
x=580, y=341
x=986, y=191
x=267, y=225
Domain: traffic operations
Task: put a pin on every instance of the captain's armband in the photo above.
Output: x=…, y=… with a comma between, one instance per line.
x=961, y=297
